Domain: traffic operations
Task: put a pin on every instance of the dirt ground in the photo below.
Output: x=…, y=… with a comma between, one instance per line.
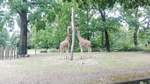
x=94, y=68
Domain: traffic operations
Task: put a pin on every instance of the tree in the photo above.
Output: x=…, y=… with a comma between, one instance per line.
x=132, y=18
x=101, y=6
x=132, y=7
x=85, y=15
x=132, y=4
x=146, y=25
x=22, y=8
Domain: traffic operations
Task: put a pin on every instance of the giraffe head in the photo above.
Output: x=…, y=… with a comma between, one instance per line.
x=68, y=29
x=78, y=33
x=67, y=34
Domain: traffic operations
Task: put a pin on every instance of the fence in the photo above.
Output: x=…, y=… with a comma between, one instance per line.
x=8, y=53
x=142, y=81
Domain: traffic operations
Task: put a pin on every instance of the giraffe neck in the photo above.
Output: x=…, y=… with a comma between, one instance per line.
x=79, y=36
x=67, y=36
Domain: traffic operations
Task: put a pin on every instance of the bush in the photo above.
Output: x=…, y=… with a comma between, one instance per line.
x=53, y=50
x=132, y=49
x=43, y=51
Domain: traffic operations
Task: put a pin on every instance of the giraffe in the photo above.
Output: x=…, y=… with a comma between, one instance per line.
x=64, y=45
x=83, y=43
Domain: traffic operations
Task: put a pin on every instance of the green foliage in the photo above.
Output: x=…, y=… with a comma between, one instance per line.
x=4, y=18
x=103, y=4
x=4, y=38
x=132, y=4
x=121, y=40
x=48, y=21
x=18, y=5
x=131, y=16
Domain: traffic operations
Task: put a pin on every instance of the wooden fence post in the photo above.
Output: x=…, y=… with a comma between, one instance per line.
x=14, y=53
x=1, y=53
x=11, y=53
x=8, y=53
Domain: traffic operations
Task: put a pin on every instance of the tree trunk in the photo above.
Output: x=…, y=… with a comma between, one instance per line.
x=103, y=36
x=135, y=34
x=87, y=23
x=107, y=44
x=107, y=41
x=23, y=34
x=73, y=32
x=135, y=37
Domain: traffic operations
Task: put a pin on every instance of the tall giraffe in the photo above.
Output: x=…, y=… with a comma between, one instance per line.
x=64, y=45
x=83, y=43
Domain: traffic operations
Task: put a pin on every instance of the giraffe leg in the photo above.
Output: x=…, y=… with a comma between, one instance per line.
x=63, y=53
x=67, y=53
x=81, y=49
x=89, y=50
x=68, y=50
x=60, y=51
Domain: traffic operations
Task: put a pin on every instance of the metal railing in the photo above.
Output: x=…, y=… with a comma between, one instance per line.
x=141, y=81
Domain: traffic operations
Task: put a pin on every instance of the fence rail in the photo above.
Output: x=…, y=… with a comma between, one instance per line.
x=141, y=81
x=8, y=53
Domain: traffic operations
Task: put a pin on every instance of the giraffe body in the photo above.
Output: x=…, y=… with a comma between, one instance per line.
x=84, y=43
x=64, y=45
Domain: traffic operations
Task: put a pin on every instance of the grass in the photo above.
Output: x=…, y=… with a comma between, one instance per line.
x=95, y=68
